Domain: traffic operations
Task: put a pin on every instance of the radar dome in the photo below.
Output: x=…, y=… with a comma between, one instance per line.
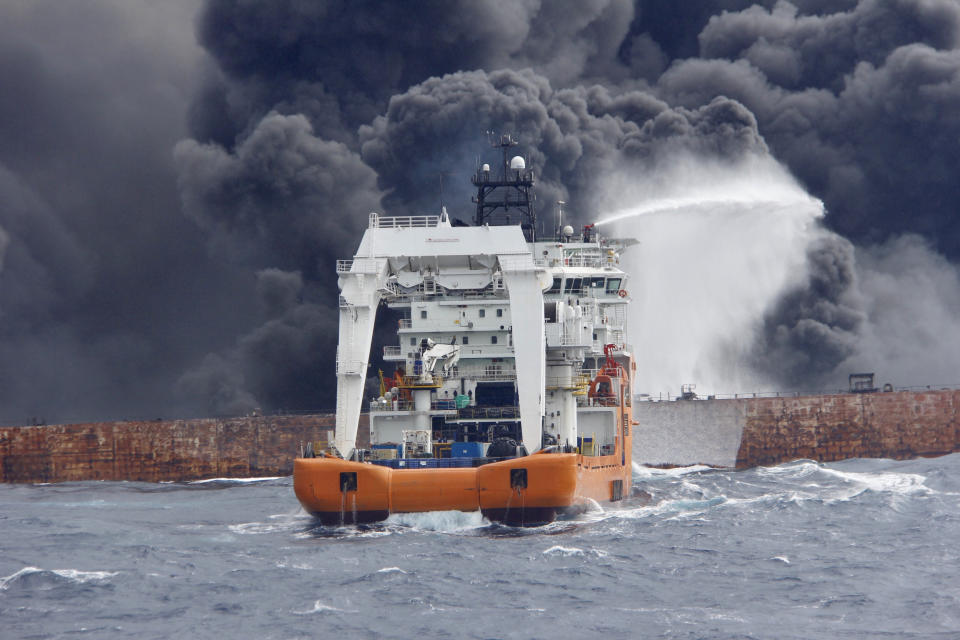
x=567, y=230
x=517, y=163
x=485, y=168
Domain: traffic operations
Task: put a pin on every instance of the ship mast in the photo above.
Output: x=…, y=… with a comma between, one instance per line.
x=515, y=184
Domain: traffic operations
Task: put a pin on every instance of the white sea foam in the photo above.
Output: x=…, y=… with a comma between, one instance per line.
x=280, y=522
x=73, y=575
x=236, y=480
x=794, y=469
x=571, y=552
x=441, y=521
x=253, y=528
x=321, y=607
x=641, y=471
x=853, y=482
x=566, y=552
x=883, y=482
x=391, y=570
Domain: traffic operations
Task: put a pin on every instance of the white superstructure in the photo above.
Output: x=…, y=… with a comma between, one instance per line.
x=499, y=335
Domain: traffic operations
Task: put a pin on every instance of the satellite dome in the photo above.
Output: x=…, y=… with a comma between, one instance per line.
x=485, y=168
x=567, y=230
x=517, y=163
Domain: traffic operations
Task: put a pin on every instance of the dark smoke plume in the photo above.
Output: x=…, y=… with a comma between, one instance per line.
x=176, y=179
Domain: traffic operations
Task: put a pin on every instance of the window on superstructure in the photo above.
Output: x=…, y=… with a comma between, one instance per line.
x=499, y=313
x=483, y=313
x=613, y=285
x=555, y=287
x=423, y=314
x=493, y=339
x=466, y=339
x=597, y=283
x=573, y=285
x=413, y=342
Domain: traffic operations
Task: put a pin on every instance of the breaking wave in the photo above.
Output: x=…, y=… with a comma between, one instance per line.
x=37, y=578
x=713, y=553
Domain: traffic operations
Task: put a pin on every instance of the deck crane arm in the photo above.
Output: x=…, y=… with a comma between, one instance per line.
x=445, y=355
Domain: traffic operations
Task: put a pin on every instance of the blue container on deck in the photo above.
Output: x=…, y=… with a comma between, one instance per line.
x=467, y=449
x=419, y=463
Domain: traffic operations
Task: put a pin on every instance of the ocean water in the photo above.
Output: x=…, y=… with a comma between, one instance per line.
x=857, y=549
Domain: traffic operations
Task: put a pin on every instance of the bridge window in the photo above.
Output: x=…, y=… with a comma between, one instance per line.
x=555, y=287
x=573, y=285
x=613, y=285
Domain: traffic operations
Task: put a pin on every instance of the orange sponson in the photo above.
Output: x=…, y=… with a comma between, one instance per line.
x=529, y=490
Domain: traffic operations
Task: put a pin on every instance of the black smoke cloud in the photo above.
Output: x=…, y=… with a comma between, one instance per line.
x=106, y=292
x=176, y=179
x=340, y=62
x=817, y=325
x=282, y=198
x=860, y=104
x=574, y=136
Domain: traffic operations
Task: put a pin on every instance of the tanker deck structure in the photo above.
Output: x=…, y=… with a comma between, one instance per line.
x=513, y=382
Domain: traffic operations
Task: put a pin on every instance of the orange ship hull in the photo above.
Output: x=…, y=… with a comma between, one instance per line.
x=526, y=491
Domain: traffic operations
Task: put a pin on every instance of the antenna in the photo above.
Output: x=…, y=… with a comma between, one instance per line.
x=514, y=185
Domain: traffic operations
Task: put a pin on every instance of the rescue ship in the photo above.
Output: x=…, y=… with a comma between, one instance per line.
x=513, y=381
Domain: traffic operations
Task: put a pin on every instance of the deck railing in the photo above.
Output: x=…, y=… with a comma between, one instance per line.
x=392, y=351
x=403, y=222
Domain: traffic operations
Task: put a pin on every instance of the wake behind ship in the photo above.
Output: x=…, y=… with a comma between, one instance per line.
x=513, y=381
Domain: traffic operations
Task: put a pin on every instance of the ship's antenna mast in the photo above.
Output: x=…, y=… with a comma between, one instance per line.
x=556, y=232
x=515, y=184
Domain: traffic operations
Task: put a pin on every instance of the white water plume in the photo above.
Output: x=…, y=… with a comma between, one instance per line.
x=719, y=243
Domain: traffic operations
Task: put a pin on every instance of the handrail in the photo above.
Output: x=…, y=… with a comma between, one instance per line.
x=604, y=401
x=359, y=265
x=749, y=395
x=403, y=222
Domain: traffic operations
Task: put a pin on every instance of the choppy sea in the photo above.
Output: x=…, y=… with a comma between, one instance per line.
x=856, y=549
